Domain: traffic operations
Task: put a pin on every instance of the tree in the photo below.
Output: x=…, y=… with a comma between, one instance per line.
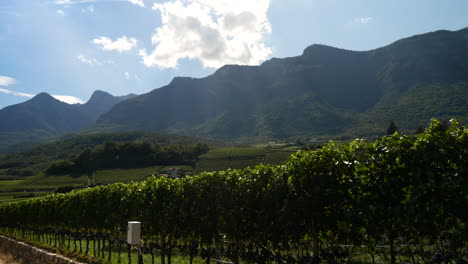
x=87, y=163
x=392, y=128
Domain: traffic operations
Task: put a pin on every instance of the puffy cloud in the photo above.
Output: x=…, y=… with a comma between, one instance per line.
x=60, y=12
x=137, y=2
x=121, y=44
x=127, y=75
x=92, y=61
x=363, y=20
x=216, y=32
x=6, y=81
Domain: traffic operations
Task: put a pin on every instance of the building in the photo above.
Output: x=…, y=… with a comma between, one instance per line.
x=173, y=173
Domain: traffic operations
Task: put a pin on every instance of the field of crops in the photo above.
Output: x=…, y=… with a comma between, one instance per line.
x=239, y=158
x=217, y=159
x=42, y=184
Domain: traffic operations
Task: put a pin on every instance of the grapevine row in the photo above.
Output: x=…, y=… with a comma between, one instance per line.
x=408, y=193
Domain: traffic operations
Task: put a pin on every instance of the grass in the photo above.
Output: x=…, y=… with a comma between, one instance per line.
x=4, y=177
x=10, y=182
x=184, y=167
x=41, y=184
x=68, y=249
x=277, y=156
x=358, y=255
x=220, y=153
x=125, y=175
x=239, y=158
x=18, y=196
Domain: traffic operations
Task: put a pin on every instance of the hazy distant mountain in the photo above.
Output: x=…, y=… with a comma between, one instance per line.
x=44, y=116
x=325, y=91
x=100, y=102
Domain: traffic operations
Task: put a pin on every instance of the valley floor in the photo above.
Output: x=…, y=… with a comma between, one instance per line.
x=217, y=159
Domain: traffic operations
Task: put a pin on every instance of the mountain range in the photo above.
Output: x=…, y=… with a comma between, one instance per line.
x=325, y=92
x=44, y=116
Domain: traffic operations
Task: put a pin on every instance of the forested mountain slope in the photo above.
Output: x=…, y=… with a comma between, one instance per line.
x=325, y=91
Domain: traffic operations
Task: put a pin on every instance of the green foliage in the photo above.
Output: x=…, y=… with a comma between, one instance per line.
x=392, y=128
x=399, y=190
x=37, y=159
x=127, y=155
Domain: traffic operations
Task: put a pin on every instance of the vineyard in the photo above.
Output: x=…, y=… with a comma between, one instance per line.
x=400, y=199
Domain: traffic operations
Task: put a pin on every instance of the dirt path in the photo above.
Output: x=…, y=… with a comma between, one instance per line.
x=7, y=259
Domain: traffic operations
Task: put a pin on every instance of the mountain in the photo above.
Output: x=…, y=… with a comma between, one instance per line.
x=100, y=102
x=325, y=91
x=44, y=116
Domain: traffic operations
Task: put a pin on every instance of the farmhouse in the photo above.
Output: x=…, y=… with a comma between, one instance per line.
x=173, y=173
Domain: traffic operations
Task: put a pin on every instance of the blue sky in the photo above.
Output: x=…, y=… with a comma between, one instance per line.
x=70, y=48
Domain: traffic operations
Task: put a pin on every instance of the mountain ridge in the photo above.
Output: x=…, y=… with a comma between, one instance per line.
x=324, y=91
x=44, y=116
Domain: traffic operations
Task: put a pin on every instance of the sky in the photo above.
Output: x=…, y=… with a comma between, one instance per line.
x=70, y=48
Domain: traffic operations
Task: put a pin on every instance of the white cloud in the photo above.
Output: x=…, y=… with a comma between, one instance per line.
x=93, y=61
x=63, y=2
x=89, y=9
x=68, y=99
x=15, y=93
x=79, y=2
x=60, y=12
x=363, y=20
x=216, y=32
x=6, y=81
x=129, y=76
x=64, y=98
x=121, y=44
x=89, y=61
x=137, y=2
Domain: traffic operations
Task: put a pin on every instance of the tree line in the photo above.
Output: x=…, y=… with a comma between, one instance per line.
x=400, y=196
x=127, y=155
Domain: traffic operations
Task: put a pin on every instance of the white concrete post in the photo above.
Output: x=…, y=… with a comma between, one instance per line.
x=134, y=232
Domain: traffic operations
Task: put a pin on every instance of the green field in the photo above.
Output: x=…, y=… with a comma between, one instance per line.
x=42, y=184
x=14, y=188
x=239, y=158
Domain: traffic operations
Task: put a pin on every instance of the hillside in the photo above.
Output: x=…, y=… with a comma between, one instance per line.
x=35, y=160
x=43, y=116
x=325, y=91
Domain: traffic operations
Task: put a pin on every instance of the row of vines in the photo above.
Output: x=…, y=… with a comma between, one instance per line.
x=402, y=197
